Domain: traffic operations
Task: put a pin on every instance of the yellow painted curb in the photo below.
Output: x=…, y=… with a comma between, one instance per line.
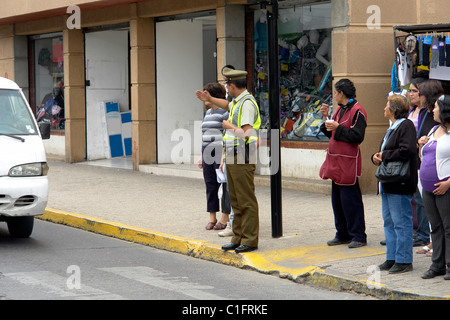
x=265, y=262
x=192, y=247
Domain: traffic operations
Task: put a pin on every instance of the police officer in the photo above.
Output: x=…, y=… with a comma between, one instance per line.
x=240, y=143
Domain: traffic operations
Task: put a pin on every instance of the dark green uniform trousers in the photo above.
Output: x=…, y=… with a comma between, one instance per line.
x=243, y=200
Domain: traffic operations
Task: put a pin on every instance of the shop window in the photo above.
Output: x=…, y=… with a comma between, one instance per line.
x=47, y=79
x=304, y=34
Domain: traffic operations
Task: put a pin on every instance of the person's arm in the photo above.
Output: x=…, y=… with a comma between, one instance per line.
x=243, y=132
x=352, y=135
x=206, y=97
x=325, y=110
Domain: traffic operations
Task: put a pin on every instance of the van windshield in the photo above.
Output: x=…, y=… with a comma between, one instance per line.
x=15, y=116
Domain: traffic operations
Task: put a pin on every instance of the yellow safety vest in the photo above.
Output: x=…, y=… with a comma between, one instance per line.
x=235, y=118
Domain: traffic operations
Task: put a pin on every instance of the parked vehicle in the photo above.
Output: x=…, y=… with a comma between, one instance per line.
x=23, y=163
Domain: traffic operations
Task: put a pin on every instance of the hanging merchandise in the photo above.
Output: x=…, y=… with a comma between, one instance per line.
x=304, y=55
x=404, y=69
x=422, y=48
x=447, y=51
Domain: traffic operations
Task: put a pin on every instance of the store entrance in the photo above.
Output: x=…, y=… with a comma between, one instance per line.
x=107, y=92
x=185, y=62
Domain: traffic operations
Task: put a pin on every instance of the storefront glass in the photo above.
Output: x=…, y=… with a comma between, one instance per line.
x=48, y=80
x=304, y=34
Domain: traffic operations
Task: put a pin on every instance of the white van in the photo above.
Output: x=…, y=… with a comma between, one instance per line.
x=23, y=164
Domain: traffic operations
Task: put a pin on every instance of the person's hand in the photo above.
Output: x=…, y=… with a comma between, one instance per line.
x=331, y=125
x=377, y=158
x=200, y=163
x=442, y=188
x=203, y=95
x=227, y=125
x=423, y=141
x=325, y=109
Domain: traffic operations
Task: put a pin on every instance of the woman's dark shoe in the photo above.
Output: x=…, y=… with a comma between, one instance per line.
x=400, y=268
x=430, y=274
x=357, y=244
x=447, y=275
x=336, y=241
x=385, y=266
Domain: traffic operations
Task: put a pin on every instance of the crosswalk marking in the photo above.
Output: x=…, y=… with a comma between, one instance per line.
x=54, y=284
x=51, y=283
x=162, y=280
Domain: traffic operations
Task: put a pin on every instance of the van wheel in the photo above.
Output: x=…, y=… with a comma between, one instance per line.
x=20, y=227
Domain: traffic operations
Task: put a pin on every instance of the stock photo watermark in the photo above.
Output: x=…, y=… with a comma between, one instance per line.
x=374, y=20
x=74, y=280
x=74, y=20
x=241, y=153
x=374, y=279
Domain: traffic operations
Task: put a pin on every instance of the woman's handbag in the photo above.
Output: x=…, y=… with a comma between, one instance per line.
x=394, y=171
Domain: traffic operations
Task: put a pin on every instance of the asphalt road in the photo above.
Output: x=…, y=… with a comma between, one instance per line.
x=64, y=263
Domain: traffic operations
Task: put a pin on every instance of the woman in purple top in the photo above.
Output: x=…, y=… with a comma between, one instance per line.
x=435, y=178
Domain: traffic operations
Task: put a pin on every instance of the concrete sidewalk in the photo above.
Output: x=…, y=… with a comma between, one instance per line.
x=168, y=212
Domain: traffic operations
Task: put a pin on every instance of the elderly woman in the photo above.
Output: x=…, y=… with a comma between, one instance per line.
x=435, y=178
x=399, y=144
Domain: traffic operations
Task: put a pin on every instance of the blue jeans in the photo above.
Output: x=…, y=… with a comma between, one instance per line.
x=423, y=227
x=398, y=227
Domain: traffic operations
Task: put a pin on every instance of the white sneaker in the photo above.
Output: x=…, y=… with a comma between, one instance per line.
x=227, y=232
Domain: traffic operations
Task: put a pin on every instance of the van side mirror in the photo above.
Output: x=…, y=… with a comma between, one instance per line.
x=44, y=128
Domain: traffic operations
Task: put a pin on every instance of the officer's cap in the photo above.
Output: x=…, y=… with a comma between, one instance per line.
x=231, y=74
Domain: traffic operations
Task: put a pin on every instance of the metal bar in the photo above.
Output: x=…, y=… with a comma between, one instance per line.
x=274, y=101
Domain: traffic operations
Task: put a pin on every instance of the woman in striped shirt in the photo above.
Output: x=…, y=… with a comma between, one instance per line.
x=212, y=132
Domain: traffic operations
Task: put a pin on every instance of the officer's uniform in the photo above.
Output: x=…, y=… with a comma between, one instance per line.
x=240, y=158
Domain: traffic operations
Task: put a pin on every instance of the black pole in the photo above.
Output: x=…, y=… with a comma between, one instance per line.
x=274, y=102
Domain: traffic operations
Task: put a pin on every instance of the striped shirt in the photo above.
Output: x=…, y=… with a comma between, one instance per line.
x=212, y=129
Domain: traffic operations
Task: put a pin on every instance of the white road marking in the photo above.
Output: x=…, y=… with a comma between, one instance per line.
x=162, y=280
x=51, y=283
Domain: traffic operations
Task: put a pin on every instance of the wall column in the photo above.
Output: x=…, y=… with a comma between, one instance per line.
x=365, y=54
x=74, y=96
x=143, y=90
x=7, y=51
x=230, y=37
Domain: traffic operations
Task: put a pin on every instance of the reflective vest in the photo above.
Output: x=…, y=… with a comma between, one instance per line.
x=235, y=119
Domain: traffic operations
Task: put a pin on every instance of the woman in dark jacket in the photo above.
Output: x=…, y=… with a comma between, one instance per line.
x=399, y=144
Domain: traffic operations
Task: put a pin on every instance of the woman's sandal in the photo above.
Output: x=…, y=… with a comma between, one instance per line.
x=220, y=226
x=424, y=250
x=210, y=225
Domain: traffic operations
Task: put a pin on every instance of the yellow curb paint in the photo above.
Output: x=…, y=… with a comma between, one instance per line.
x=305, y=259
x=192, y=247
x=258, y=262
x=304, y=262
